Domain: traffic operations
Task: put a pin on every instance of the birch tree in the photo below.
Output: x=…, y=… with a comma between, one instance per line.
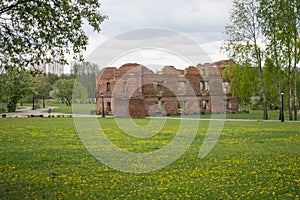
x=243, y=43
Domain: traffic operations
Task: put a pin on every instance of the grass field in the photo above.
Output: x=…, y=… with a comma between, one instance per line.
x=86, y=108
x=45, y=159
x=253, y=114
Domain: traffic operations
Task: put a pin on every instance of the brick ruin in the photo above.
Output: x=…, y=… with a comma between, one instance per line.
x=136, y=91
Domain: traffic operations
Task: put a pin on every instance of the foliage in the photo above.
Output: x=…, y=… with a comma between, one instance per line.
x=244, y=81
x=243, y=42
x=243, y=33
x=51, y=78
x=33, y=32
x=280, y=22
x=16, y=85
x=86, y=74
x=63, y=89
x=298, y=86
x=252, y=160
x=273, y=76
x=80, y=93
x=43, y=86
x=258, y=28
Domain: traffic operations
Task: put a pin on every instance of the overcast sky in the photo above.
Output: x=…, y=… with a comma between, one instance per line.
x=202, y=21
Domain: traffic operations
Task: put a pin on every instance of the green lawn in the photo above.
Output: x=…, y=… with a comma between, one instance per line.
x=63, y=108
x=86, y=109
x=253, y=114
x=45, y=159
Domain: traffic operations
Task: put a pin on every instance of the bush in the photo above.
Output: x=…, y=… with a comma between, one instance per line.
x=3, y=107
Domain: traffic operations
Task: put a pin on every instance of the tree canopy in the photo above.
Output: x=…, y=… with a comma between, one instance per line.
x=243, y=44
x=262, y=32
x=244, y=81
x=64, y=89
x=86, y=74
x=16, y=85
x=33, y=32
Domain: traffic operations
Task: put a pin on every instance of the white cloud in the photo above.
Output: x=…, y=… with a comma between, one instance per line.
x=201, y=20
x=183, y=16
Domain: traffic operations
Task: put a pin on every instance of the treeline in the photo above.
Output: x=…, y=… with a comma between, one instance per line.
x=264, y=35
x=27, y=86
x=244, y=83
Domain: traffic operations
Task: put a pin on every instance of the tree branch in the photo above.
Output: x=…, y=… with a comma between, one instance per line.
x=8, y=8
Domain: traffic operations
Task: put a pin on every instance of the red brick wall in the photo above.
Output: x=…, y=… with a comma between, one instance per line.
x=134, y=90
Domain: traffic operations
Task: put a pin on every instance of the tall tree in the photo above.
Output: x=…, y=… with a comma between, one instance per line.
x=52, y=78
x=280, y=25
x=296, y=33
x=270, y=21
x=86, y=74
x=43, y=87
x=273, y=78
x=39, y=31
x=298, y=86
x=290, y=39
x=243, y=43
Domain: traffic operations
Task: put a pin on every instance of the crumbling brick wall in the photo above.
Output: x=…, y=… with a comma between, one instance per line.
x=134, y=90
